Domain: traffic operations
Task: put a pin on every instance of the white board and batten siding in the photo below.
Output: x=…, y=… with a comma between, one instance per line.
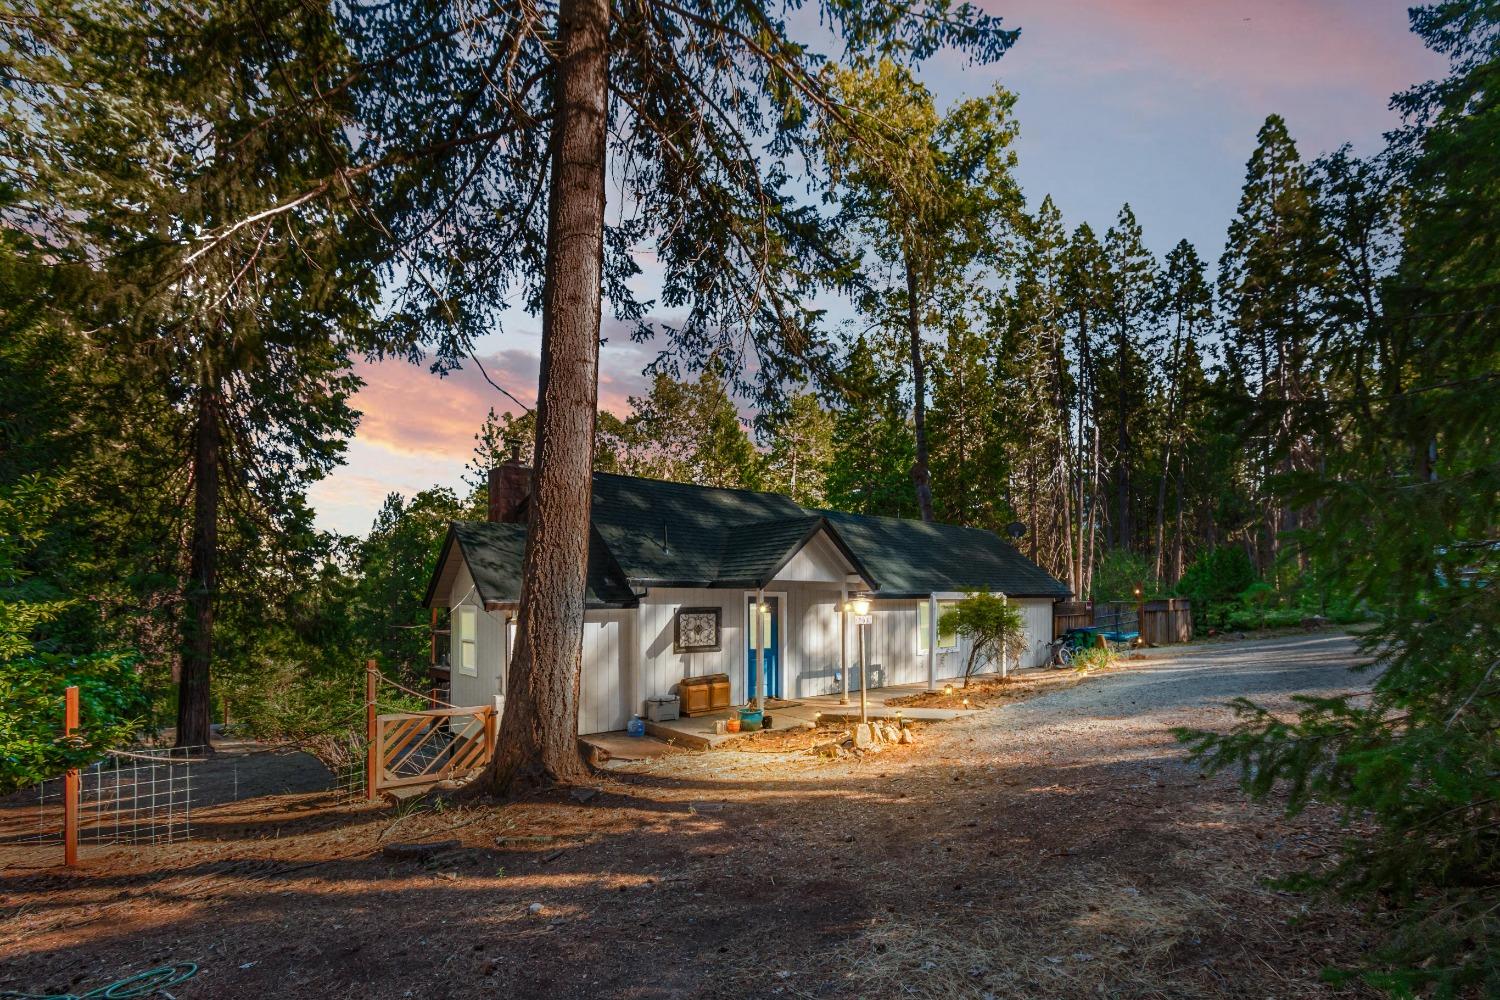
x=487, y=682
x=810, y=641
x=661, y=668
x=606, y=689
x=892, y=644
x=606, y=693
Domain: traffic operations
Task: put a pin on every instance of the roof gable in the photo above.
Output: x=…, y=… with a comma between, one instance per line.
x=494, y=553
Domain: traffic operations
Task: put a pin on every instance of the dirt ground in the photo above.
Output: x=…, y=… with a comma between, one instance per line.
x=1054, y=847
x=989, y=691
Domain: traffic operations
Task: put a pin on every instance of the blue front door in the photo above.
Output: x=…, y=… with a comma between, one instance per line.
x=770, y=648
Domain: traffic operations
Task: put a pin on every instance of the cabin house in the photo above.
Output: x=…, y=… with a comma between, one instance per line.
x=676, y=571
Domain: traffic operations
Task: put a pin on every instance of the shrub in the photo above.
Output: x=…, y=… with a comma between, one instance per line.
x=992, y=625
x=111, y=698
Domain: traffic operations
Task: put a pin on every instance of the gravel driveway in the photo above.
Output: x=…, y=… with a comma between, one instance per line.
x=1185, y=680
x=1130, y=714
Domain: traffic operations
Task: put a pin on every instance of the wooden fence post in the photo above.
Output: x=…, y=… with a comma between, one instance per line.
x=372, y=748
x=70, y=780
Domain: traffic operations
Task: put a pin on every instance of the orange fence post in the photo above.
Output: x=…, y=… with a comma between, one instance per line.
x=70, y=781
x=372, y=749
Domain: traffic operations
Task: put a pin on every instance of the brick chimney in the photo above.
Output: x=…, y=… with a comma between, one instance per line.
x=510, y=485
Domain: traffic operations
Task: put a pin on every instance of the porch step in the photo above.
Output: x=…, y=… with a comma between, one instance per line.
x=676, y=737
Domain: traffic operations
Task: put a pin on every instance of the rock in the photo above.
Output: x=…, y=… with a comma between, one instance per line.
x=583, y=794
x=907, y=737
x=864, y=736
x=418, y=852
x=535, y=909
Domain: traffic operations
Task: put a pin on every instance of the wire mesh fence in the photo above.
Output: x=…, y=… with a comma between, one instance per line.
x=125, y=797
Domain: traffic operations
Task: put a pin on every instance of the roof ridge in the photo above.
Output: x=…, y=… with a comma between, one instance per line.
x=699, y=486
x=825, y=511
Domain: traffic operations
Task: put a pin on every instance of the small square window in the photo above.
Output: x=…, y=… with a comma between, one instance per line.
x=947, y=638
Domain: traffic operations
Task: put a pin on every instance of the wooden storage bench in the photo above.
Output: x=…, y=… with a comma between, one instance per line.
x=702, y=695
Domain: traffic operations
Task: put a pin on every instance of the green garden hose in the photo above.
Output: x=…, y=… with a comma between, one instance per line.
x=143, y=984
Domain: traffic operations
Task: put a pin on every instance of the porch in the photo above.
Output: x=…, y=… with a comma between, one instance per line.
x=700, y=731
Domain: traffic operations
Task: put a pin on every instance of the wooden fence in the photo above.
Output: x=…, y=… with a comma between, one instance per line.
x=1070, y=615
x=408, y=749
x=1162, y=622
x=1167, y=621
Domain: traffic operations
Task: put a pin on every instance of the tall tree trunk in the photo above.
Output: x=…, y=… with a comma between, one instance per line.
x=193, y=715
x=1085, y=505
x=1174, y=392
x=1177, y=552
x=539, y=733
x=1094, y=507
x=1123, y=528
x=919, y=472
x=1065, y=505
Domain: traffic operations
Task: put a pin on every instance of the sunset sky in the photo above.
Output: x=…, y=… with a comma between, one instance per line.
x=1152, y=102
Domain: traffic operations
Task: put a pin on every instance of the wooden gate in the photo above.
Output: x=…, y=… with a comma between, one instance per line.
x=410, y=749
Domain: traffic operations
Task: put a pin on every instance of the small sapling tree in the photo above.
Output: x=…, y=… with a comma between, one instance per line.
x=992, y=625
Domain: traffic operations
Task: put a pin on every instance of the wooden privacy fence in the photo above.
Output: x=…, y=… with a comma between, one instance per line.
x=413, y=749
x=1167, y=621
x=1070, y=615
x=1161, y=622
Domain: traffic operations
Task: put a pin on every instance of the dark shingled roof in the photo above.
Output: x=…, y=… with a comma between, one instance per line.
x=494, y=554
x=917, y=558
x=647, y=532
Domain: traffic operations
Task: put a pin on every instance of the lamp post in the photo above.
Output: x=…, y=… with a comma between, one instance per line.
x=860, y=608
x=1140, y=614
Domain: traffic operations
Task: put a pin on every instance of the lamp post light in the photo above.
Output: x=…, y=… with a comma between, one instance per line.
x=860, y=608
x=1140, y=614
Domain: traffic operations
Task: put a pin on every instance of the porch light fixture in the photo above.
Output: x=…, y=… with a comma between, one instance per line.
x=857, y=605
x=765, y=607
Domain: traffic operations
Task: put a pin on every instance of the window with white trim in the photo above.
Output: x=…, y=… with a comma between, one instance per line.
x=466, y=639
x=947, y=638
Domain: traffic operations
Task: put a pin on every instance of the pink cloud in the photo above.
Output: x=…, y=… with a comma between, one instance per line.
x=1281, y=45
x=409, y=410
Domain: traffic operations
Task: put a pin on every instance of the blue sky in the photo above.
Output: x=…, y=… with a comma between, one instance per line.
x=1151, y=102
